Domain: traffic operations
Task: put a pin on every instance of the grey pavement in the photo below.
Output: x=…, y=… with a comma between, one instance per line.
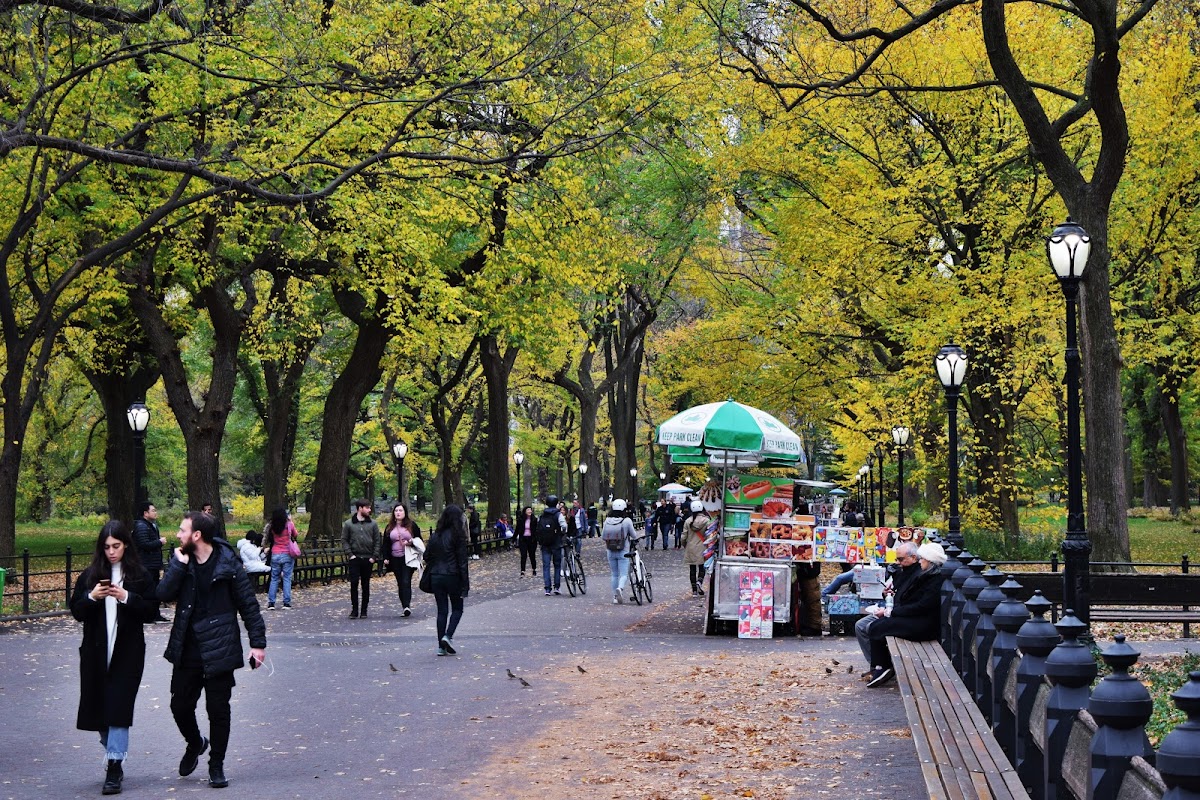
x=365, y=709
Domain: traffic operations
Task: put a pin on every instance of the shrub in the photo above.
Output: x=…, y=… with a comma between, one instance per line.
x=247, y=510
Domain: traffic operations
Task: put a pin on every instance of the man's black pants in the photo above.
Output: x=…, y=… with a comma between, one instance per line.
x=186, y=685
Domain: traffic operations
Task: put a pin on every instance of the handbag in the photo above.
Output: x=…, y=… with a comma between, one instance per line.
x=294, y=548
x=426, y=582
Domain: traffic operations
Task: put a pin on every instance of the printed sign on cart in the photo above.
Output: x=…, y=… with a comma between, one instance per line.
x=756, y=605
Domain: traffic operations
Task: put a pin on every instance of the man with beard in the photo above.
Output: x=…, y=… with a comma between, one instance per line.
x=206, y=579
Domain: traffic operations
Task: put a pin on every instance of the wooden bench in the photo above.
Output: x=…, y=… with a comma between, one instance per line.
x=960, y=758
x=1126, y=596
x=324, y=566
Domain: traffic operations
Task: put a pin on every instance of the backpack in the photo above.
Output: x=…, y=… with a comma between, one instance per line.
x=614, y=536
x=547, y=530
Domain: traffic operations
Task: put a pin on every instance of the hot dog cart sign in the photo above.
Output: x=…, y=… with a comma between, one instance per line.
x=772, y=495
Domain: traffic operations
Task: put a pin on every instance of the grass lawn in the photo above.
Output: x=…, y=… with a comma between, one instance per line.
x=1154, y=536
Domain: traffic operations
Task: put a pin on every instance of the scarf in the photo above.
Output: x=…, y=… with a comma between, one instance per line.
x=110, y=611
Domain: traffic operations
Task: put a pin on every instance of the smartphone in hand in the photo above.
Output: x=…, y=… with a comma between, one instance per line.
x=105, y=583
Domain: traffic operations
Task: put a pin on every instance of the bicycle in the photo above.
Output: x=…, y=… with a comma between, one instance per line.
x=572, y=567
x=639, y=574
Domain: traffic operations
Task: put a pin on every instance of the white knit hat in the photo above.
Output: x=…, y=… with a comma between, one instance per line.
x=932, y=552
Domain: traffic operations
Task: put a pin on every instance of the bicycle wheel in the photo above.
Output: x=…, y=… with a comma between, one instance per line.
x=569, y=571
x=647, y=589
x=580, y=577
x=636, y=571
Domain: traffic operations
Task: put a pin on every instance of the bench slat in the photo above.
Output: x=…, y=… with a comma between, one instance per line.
x=917, y=712
x=960, y=758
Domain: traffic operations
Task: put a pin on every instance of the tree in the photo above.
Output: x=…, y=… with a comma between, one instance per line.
x=845, y=55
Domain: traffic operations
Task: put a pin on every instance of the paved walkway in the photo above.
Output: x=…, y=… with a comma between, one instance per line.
x=623, y=701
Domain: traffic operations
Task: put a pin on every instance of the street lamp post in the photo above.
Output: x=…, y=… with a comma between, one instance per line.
x=583, y=468
x=518, y=459
x=633, y=486
x=900, y=437
x=880, y=452
x=862, y=488
x=400, y=450
x=951, y=364
x=139, y=417
x=1067, y=249
x=869, y=508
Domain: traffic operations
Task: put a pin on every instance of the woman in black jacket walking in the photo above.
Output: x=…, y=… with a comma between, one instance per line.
x=446, y=560
x=113, y=598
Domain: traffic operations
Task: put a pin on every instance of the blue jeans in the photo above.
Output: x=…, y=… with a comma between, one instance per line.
x=281, y=563
x=116, y=743
x=837, y=583
x=666, y=534
x=551, y=555
x=618, y=565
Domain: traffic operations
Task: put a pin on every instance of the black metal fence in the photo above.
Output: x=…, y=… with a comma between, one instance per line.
x=1067, y=735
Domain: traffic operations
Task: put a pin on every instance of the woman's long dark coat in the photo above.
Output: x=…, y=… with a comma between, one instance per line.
x=107, y=691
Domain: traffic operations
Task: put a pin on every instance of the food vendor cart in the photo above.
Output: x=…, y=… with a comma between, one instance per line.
x=757, y=593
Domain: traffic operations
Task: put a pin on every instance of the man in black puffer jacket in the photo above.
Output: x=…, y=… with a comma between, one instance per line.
x=209, y=583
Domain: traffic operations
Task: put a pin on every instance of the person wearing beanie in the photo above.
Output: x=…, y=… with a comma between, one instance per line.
x=913, y=615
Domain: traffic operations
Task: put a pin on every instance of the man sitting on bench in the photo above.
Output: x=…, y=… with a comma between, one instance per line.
x=908, y=567
x=913, y=615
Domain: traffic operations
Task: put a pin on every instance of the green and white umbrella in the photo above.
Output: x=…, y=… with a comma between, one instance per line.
x=734, y=427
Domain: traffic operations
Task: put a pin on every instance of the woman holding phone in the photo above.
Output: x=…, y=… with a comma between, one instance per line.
x=113, y=598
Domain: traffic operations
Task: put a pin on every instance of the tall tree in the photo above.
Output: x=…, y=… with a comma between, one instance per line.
x=847, y=54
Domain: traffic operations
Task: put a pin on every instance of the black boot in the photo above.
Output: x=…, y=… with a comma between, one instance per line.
x=113, y=778
x=216, y=776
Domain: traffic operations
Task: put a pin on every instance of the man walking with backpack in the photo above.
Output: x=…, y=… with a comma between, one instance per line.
x=551, y=526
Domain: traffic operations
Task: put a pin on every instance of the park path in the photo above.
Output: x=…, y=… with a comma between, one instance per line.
x=622, y=702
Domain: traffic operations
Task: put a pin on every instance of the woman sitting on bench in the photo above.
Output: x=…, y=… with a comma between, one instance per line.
x=914, y=614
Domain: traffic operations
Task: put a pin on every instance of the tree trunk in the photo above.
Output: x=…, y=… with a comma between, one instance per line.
x=116, y=393
x=1087, y=203
x=497, y=367
x=1107, y=522
x=363, y=370
x=993, y=451
x=1170, y=384
x=203, y=426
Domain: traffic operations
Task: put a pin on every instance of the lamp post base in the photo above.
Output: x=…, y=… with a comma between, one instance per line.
x=1077, y=552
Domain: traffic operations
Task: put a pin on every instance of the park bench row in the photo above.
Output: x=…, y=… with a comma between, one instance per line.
x=1003, y=705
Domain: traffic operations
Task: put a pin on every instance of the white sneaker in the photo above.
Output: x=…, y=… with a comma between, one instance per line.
x=617, y=598
x=474, y=558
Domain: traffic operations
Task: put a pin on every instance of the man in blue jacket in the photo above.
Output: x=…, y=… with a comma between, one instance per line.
x=206, y=579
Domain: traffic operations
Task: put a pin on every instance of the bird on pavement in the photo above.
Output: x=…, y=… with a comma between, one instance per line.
x=510, y=673
x=581, y=669
x=393, y=666
x=523, y=681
